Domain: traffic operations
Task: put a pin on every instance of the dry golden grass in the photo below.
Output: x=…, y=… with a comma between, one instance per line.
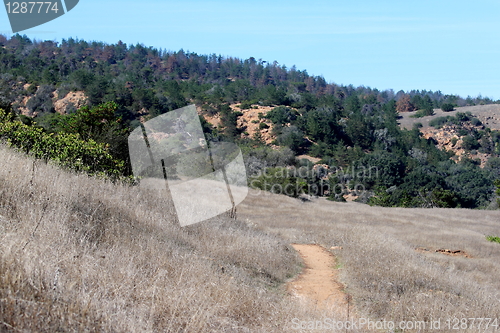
x=79, y=254
x=488, y=114
x=82, y=255
x=381, y=268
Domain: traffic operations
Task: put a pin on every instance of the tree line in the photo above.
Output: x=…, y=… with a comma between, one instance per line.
x=344, y=126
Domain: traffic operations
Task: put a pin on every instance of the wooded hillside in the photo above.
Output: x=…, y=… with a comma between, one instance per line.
x=64, y=88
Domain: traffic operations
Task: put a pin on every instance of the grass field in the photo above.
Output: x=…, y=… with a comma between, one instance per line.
x=79, y=254
x=389, y=261
x=488, y=114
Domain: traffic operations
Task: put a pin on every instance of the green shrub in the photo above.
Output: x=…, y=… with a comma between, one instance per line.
x=383, y=197
x=447, y=107
x=281, y=115
x=263, y=126
x=245, y=105
x=493, y=239
x=32, y=89
x=65, y=149
x=470, y=143
x=462, y=132
x=423, y=113
x=439, y=121
x=476, y=122
x=443, y=198
x=461, y=117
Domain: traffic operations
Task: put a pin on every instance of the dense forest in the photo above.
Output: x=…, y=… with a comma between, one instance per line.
x=353, y=130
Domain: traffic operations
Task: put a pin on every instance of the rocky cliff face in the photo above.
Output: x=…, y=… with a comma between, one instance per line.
x=71, y=101
x=249, y=122
x=448, y=138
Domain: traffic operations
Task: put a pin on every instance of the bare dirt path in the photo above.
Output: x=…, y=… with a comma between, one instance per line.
x=318, y=283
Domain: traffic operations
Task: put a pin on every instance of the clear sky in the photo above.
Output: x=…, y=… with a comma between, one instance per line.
x=447, y=45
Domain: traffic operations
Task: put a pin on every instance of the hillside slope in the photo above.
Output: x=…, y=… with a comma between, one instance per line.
x=398, y=264
x=451, y=137
x=78, y=253
x=82, y=254
x=488, y=114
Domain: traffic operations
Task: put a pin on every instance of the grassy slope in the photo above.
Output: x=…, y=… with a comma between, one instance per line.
x=382, y=270
x=80, y=254
x=488, y=114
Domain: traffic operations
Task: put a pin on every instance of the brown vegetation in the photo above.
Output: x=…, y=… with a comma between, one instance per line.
x=404, y=104
x=445, y=137
x=248, y=122
x=81, y=254
x=380, y=268
x=252, y=118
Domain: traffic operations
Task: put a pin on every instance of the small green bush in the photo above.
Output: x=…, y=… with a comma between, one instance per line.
x=263, y=126
x=423, y=113
x=32, y=89
x=439, y=122
x=493, y=239
x=469, y=143
x=476, y=122
x=461, y=117
x=447, y=107
x=66, y=149
x=245, y=105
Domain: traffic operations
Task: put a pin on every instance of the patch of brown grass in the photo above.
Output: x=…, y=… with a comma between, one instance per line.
x=82, y=254
x=380, y=268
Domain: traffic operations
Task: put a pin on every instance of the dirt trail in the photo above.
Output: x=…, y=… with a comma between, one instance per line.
x=318, y=282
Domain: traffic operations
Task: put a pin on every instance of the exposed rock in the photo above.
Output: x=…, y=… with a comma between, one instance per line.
x=310, y=158
x=249, y=121
x=77, y=99
x=444, y=137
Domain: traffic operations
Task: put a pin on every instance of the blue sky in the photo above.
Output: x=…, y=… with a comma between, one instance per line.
x=452, y=46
